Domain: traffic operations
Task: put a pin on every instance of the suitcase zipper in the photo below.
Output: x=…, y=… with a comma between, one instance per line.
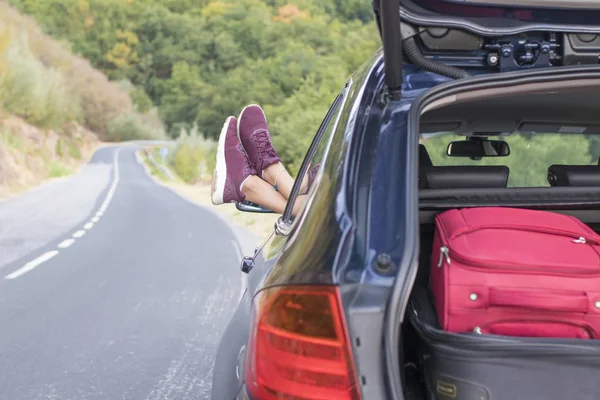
x=537, y=229
x=476, y=264
x=505, y=345
x=444, y=254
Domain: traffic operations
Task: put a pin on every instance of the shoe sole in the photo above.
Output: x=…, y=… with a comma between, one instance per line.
x=240, y=118
x=220, y=173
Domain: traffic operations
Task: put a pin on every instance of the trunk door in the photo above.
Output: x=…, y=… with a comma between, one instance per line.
x=492, y=17
x=498, y=37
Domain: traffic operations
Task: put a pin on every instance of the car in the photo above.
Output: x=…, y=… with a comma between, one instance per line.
x=467, y=103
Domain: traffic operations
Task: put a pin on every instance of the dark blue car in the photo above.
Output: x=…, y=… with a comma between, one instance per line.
x=469, y=102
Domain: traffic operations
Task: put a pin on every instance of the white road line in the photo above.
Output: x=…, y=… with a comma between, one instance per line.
x=68, y=242
x=65, y=243
x=32, y=264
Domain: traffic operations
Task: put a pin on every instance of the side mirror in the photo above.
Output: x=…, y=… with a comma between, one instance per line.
x=247, y=206
x=478, y=148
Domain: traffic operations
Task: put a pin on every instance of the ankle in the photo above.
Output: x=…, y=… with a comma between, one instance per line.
x=271, y=173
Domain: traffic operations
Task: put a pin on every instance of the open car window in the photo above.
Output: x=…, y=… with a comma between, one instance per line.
x=531, y=154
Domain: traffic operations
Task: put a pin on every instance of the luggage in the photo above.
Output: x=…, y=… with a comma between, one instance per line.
x=468, y=366
x=516, y=272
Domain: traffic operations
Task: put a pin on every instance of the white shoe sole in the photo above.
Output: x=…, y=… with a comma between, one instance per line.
x=220, y=173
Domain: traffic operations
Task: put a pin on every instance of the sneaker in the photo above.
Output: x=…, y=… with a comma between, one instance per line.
x=312, y=174
x=253, y=133
x=233, y=167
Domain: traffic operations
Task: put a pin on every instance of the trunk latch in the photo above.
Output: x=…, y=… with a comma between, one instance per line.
x=518, y=54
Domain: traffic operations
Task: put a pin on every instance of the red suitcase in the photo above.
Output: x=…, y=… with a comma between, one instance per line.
x=516, y=272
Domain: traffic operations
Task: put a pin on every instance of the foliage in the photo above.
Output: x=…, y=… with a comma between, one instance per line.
x=194, y=156
x=200, y=61
x=58, y=169
x=31, y=90
x=131, y=127
x=43, y=82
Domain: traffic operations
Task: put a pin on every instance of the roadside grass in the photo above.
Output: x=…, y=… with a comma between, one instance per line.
x=56, y=169
x=154, y=170
x=12, y=141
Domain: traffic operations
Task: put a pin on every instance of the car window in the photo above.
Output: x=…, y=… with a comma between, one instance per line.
x=310, y=171
x=530, y=154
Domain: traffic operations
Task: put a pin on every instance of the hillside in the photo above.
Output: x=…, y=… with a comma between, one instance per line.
x=55, y=107
x=199, y=61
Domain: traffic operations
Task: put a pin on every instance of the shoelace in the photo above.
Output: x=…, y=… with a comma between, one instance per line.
x=263, y=144
x=248, y=167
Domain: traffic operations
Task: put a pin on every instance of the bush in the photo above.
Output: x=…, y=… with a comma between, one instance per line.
x=42, y=81
x=31, y=90
x=194, y=157
x=133, y=126
x=57, y=169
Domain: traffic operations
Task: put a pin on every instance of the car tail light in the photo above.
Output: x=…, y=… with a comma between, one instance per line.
x=298, y=347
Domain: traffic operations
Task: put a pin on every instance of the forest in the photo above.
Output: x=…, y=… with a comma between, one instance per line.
x=198, y=61
x=194, y=62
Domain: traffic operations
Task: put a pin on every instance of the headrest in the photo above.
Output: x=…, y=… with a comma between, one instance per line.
x=574, y=175
x=463, y=177
x=424, y=159
x=424, y=163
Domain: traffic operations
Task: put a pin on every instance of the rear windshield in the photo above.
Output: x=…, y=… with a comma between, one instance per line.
x=530, y=154
x=473, y=9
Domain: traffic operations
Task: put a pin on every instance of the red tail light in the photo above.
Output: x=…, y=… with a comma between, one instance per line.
x=298, y=348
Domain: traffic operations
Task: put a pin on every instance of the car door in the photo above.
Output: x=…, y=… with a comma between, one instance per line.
x=267, y=255
x=227, y=376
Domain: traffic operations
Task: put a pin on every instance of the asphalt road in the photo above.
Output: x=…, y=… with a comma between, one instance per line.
x=112, y=287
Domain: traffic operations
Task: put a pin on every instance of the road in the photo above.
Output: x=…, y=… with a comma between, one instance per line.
x=112, y=287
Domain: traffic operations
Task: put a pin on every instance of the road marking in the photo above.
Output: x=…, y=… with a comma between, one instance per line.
x=66, y=243
x=32, y=264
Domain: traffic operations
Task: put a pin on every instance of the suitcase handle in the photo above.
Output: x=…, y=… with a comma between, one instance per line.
x=545, y=329
x=547, y=301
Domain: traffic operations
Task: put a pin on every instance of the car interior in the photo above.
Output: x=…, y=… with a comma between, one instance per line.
x=548, y=159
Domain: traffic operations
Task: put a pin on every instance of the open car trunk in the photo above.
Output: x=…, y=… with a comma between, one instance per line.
x=551, y=122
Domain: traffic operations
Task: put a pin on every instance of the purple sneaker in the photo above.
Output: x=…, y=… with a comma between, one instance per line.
x=254, y=135
x=312, y=174
x=233, y=167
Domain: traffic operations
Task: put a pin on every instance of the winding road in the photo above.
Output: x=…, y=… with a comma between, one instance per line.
x=113, y=287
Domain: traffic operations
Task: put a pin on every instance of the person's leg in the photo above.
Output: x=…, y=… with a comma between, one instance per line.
x=277, y=175
x=260, y=192
x=254, y=135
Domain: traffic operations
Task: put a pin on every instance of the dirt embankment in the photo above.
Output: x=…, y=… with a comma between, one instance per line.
x=29, y=155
